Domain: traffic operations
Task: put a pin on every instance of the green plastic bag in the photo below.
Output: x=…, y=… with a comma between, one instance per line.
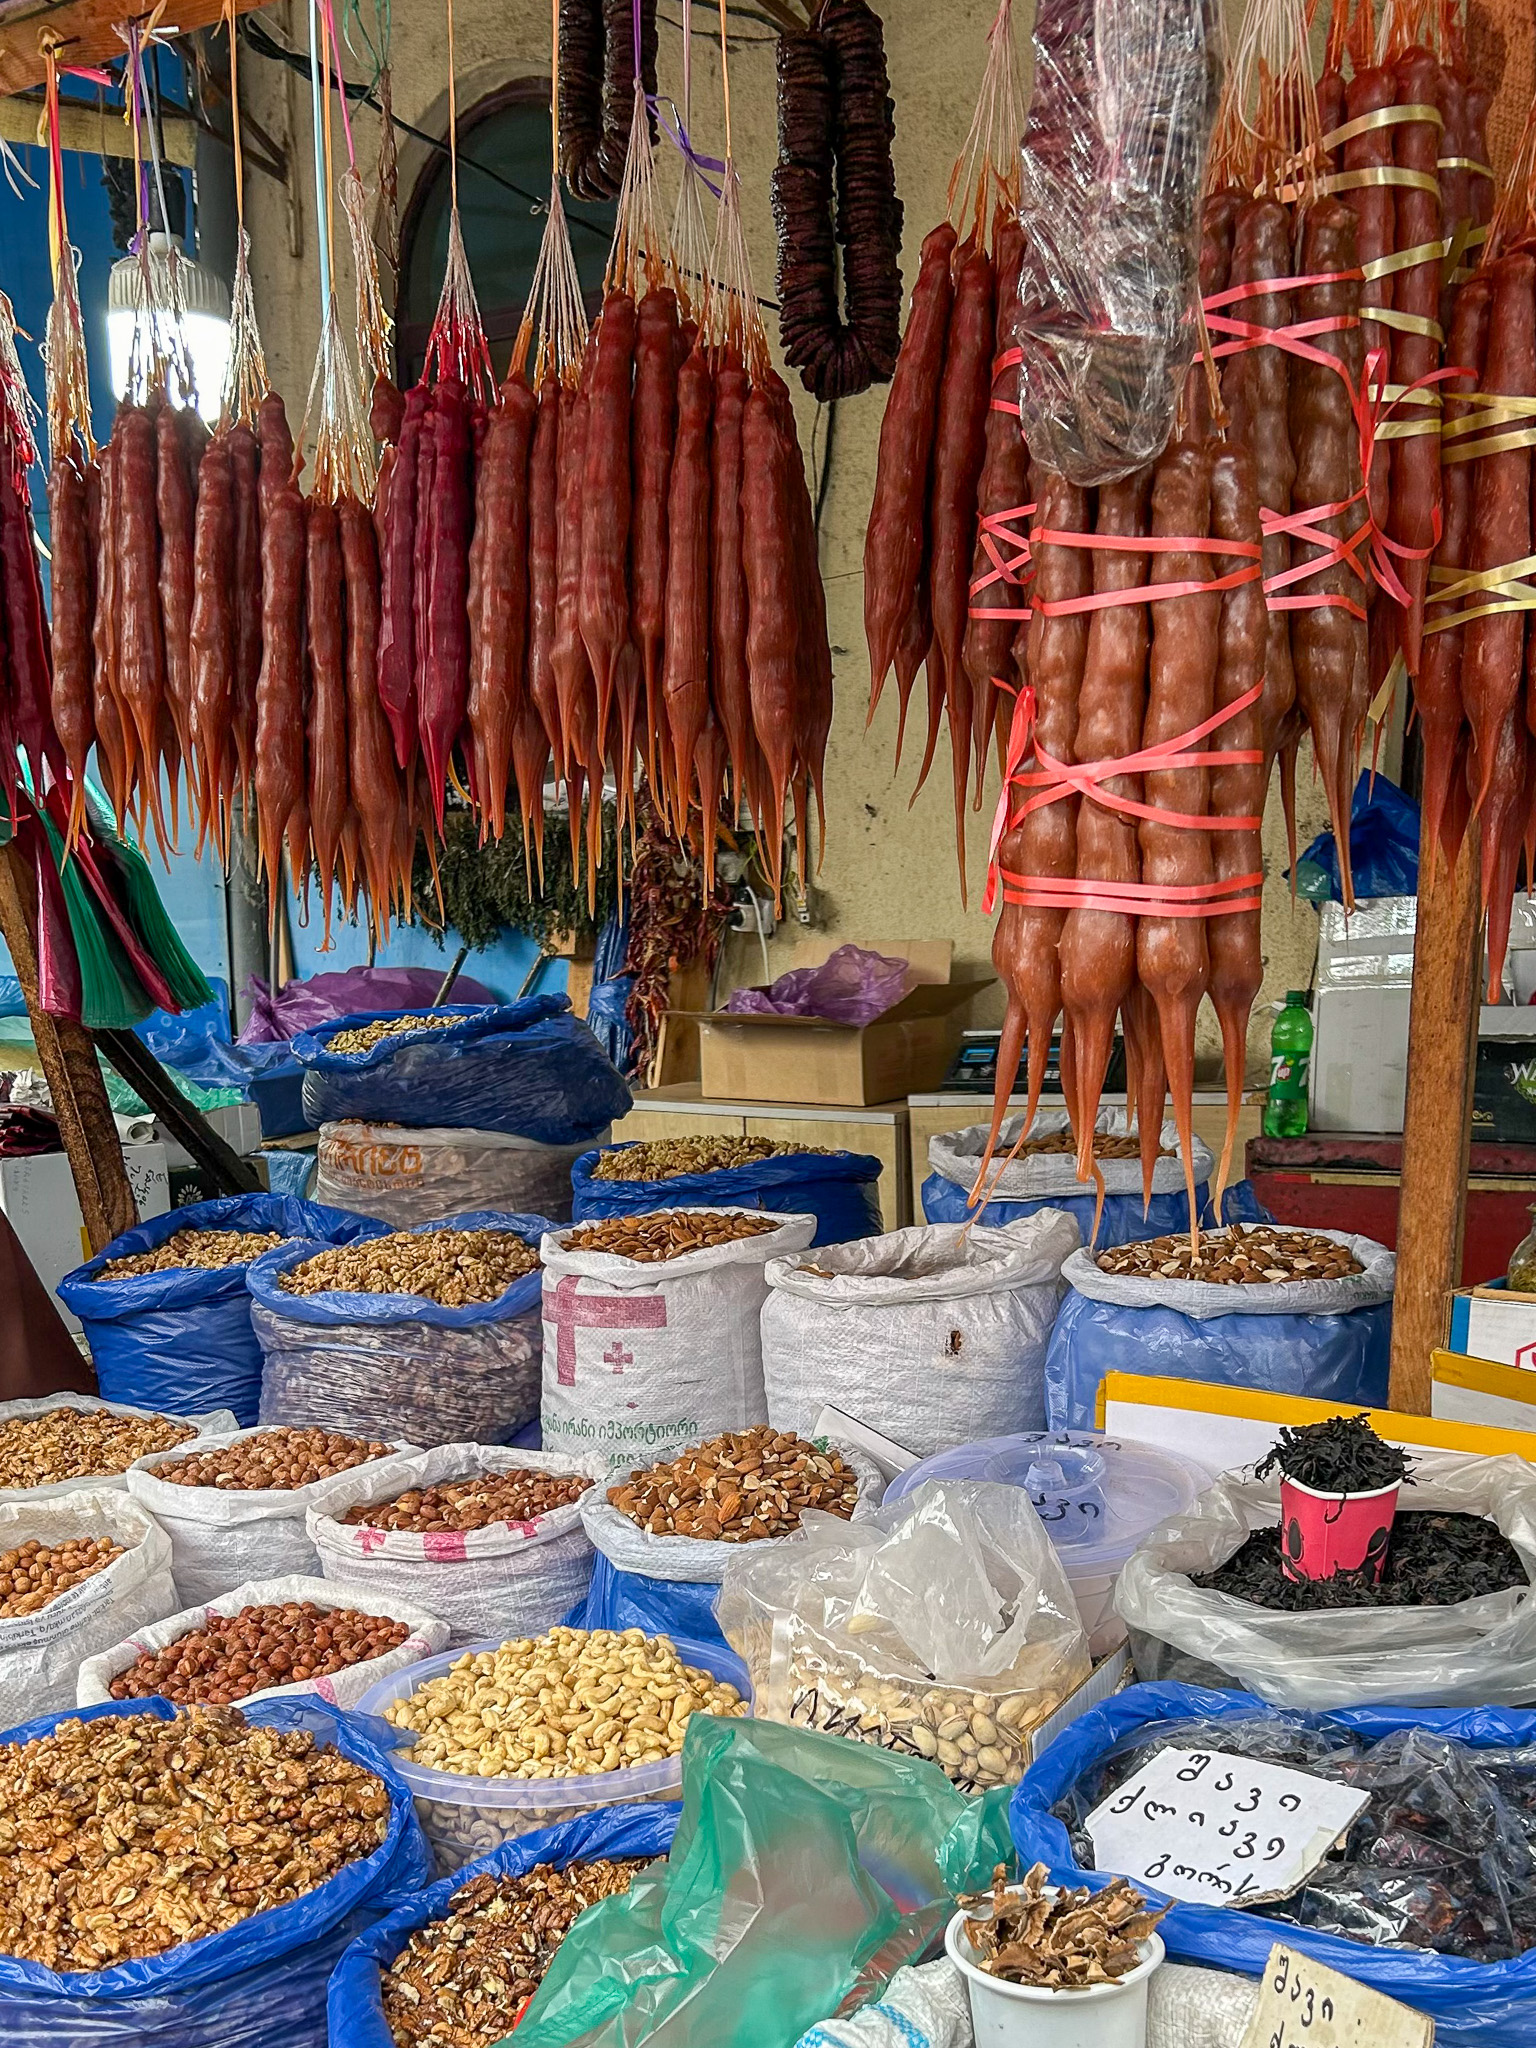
x=806, y=1870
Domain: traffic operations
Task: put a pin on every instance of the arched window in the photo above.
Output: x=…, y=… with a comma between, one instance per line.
x=503, y=187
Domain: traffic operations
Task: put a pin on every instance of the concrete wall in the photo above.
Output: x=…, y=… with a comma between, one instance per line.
x=890, y=870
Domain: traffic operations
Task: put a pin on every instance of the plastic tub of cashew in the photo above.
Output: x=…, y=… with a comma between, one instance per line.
x=465, y=1816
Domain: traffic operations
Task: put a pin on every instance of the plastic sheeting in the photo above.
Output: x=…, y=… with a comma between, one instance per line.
x=182, y=1340
x=838, y=1188
x=398, y=1364
x=529, y=1068
x=1474, y=2005
x=1473, y=1653
x=260, y=1984
x=405, y=1178
x=658, y=1607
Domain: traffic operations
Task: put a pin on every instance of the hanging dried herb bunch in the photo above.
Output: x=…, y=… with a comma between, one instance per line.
x=485, y=889
x=1342, y=1455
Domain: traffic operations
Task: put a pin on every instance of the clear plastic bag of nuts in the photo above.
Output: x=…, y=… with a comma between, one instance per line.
x=942, y=1628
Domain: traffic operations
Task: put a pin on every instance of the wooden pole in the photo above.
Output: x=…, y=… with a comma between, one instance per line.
x=1437, y=1120
x=68, y=1054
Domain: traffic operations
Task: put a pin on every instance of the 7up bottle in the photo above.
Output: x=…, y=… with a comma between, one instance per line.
x=1290, y=1057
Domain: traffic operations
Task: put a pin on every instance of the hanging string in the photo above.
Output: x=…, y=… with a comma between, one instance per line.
x=246, y=382
x=64, y=358
x=322, y=197
x=453, y=118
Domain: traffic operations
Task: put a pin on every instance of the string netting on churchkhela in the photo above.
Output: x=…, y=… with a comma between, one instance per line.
x=1479, y=639
x=73, y=481
x=938, y=591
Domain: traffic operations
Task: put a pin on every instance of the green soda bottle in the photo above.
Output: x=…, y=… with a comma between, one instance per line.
x=1290, y=1056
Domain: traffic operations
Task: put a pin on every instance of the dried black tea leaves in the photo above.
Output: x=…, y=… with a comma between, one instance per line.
x=1342, y=1455
x=1433, y=1559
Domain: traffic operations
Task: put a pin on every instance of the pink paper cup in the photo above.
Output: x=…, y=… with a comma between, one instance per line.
x=1324, y=1533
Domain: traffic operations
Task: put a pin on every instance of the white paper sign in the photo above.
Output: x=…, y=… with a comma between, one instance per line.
x=1219, y=1830
x=1304, y=2005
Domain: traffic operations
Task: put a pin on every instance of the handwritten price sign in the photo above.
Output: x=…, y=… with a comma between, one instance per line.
x=1219, y=1830
x=1303, y=2005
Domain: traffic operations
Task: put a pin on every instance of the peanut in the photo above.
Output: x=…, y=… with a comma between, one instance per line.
x=284, y=1644
x=273, y=1459
x=33, y=1573
x=521, y=1495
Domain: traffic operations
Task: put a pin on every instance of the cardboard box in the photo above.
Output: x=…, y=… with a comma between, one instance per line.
x=38, y=1196
x=1495, y=1324
x=805, y=1059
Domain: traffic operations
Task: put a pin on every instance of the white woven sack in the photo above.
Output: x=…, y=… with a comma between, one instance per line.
x=40, y=1653
x=695, y=1560
x=1203, y=1300
x=406, y=1177
x=511, y=1579
x=923, y=2007
x=344, y=1688
x=936, y=1335
x=957, y=1154
x=1190, y=2008
x=222, y=1536
x=643, y=1358
x=206, y=1425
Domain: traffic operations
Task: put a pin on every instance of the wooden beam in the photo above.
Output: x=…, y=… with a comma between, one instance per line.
x=96, y=133
x=68, y=1054
x=87, y=27
x=1437, y=1120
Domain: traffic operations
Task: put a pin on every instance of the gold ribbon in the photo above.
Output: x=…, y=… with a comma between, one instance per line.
x=1405, y=259
x=1405, y=323
x=1383, y=117
x=1485, y=409
x=1377, y=175
x=1505, y=585
x=1466, y=163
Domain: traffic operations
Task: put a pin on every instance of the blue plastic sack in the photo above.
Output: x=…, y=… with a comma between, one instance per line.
x=529, y=1068
x=1474, y=2005
x=620, y=1600
x=838, y=1188
x=399, y=1365
x=1383, y=847
x=260, y=1984
x=1123, y=1220
x=182, y=1341
x=355, y=2006
x=192, y=1041
x=1324, y=1358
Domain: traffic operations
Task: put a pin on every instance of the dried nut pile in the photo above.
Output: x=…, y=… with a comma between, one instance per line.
x=451, y=1267
x=738, y=1488
x=127, y=1836
x=81, y=1443
x=363, y=1038
x=1104, y=1146
x=978, y=1739
x=521, y=1495
x=666, y=1158
x=1059, y=1940
x=275, y=1460
x=1238, y=1256
x=665, y=1233
x=462, y=1981
x=34, y=1573
x=203, y=1248
x=563, y=1705
x=283, y=1644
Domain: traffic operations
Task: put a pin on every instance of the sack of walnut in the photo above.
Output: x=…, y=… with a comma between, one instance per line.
x=112, y=1567
x=179, y=1337
x=943, y=1627
x=400, y=1361
x=1326, y=1339
x=509, y=1577
x=231, y=1527
x=405, y=1177
x=936, y=1335
x=645, y=1354
x=420, y=1635
x=77, y=1443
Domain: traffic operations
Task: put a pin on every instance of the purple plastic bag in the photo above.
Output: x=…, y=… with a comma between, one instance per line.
x=851, y=986
x=306, y=1005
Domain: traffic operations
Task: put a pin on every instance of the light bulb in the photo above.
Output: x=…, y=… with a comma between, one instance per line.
x=203, y=326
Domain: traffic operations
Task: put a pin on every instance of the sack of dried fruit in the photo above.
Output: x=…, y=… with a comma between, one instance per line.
x=121, y=1939
x=488, y=1537
x=432, y=1334
x=652, y=1336
x=530, y=1068
x=164, y=1307
x=840, y=1189
x=943, y=1627
x=460, y=1959
x=76, y=1575
x=1043, y=1172
x=683, y=1520
x=234, y=1506
x=269, y=1637
x=405, y=1177
x=1466, y=1522
x=1280, y=1310
x=935, y=1335
x=76, y=1443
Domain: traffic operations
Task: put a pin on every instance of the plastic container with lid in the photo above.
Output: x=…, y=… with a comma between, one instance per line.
x=465, y=1817
x=1097, y=1497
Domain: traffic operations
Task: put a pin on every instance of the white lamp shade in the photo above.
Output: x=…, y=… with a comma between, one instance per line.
x=203, y=326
